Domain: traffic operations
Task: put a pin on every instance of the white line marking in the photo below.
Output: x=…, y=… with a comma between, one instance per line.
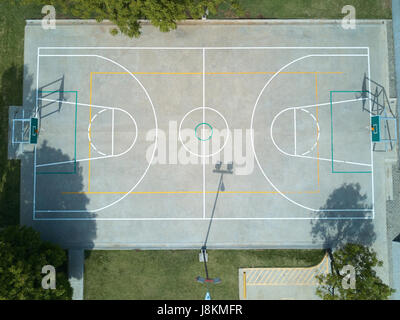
x=328, y=103
x=304, y=156
x=326, y=210
x=112, y=132
x=252, y=137
x=78, y=103
x=318, y=130
x=37, y=82
x=34, y=147
x=203, y=150
x=201, y=48
x=372, y=153
x=205, y=155
x=13, y=128
x=34, y=183
x=255, y=107
x=199, y=219
x=69, y=161
x=155, y=120
x=89, y=132
x=295, y=132
x=89, y=138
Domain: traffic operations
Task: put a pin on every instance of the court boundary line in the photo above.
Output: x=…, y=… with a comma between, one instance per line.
x=196, y=219
x=207, y=48
x=372, y=146
x=201, y=48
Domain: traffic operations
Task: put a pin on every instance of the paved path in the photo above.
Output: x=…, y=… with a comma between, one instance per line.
x=396, y=35
x=75, y=272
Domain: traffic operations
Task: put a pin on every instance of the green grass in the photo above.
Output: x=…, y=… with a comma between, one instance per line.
x=307, y=9
x=168, y=274
x=12, y=26
x=12, y=23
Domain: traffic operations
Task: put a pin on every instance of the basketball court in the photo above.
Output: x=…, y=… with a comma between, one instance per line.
x=144, y=132
x=106, y=121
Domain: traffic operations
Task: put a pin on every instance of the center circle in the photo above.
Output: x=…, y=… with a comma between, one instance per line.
x=189, y=133
x=202, y=136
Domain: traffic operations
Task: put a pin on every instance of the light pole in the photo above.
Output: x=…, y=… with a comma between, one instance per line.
x=221, y=187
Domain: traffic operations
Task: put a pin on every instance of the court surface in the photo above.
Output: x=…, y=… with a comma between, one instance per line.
x=131, y=131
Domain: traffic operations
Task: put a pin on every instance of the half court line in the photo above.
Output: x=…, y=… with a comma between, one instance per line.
x=203, y=150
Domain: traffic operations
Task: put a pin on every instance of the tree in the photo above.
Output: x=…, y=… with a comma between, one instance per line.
x=126, y=14
x=368, y=286
x=22, y=257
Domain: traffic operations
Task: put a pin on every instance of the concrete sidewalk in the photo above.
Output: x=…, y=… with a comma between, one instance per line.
x=75, y=272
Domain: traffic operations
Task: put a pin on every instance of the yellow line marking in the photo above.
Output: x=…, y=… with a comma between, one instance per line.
x=296, y=275
x=200, y=73
x=327, y=265
x=310, y=276
x=270, y=274
x=259, y=275
x=244, y=285
x=264, y=276
x=293, y=276
x=303, y=274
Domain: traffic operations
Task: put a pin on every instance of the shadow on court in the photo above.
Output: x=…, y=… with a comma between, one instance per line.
x=76, y=234
x=334, y=233
x=10, y=95
x=51, y=91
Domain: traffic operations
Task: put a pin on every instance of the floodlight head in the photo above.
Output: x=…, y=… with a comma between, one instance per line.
x=206, y=280
x=214, y=280
x=218, y=165
x=230, y=166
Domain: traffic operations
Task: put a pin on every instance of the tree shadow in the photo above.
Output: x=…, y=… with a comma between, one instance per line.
x=69, y=234
x=337, y=232
x=12, y=80
x=49, y=188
